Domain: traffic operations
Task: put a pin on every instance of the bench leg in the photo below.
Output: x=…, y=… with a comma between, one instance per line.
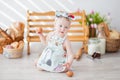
x=85, y=47
x=28, y=48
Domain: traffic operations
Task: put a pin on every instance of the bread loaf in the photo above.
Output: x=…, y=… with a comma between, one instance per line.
x=16, y=30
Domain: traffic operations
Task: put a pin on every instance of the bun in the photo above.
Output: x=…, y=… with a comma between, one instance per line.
x=21, y=44
x=14, y=45
x=114, y=34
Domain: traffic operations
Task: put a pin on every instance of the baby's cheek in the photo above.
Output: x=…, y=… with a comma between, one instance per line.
x=65, y=32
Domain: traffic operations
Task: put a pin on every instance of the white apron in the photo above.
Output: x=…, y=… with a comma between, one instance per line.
x=53, y=56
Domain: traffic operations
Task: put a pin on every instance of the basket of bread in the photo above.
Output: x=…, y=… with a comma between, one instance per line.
x=113, y=42
x=4, y=39
x=15, y=32
x=13, y=50
x=112, y=38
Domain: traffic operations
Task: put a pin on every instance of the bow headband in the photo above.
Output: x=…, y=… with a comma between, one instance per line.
x=64, y=14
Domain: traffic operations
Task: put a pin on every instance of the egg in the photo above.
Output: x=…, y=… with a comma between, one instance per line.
x=39, y=30
x=69, y=73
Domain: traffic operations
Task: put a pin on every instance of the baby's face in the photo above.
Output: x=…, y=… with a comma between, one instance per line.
x=62, y=26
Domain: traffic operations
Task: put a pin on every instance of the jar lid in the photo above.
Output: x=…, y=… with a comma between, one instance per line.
x=94, y=40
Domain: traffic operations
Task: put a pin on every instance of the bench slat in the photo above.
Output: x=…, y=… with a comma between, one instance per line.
x=51, y=25
x=32, y=13
x=49, y=20
x=71, y=38
x=71, y=31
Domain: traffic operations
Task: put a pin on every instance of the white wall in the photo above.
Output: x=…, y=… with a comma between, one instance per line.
x=15, y=10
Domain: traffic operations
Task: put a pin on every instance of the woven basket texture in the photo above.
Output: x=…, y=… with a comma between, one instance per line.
x=112, y=45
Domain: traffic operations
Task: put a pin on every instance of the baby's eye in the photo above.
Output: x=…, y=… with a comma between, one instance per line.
x=60, y=25
x=66, y=27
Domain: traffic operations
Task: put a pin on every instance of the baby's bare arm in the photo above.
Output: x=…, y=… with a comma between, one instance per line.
x=70, y=55
x=42, y=38
x=39, y=31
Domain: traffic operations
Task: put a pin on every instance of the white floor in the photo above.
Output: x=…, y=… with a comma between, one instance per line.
x=106, y=68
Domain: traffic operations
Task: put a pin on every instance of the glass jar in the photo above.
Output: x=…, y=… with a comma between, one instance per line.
x=93, y=46
x=101, y=33
x=102, y=45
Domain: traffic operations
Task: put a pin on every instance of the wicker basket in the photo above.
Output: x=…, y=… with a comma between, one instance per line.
x=12, y=53
x=3, y=43
x=112, y=45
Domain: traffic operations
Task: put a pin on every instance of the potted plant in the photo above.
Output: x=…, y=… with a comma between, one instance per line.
x=92, y=20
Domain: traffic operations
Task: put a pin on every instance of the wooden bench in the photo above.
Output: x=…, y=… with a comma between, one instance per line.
x=77, y=33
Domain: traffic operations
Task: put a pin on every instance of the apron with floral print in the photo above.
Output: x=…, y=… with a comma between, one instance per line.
x=53, y=56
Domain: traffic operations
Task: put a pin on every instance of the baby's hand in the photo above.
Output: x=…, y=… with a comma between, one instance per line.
x=39, y=30
x=67, y=65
